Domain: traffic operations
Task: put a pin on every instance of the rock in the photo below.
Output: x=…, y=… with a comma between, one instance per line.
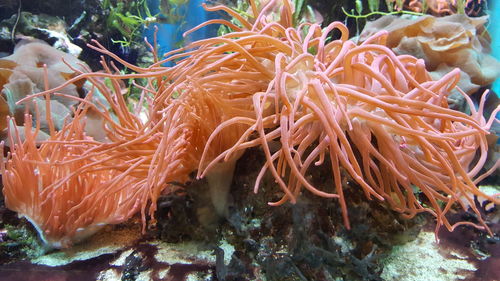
x=44, y=27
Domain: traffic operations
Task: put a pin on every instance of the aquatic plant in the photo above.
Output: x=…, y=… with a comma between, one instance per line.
x=415, y=8
x=128, y=18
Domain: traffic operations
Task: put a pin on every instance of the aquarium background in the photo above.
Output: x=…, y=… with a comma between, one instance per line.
x=186, y=14
x=495, y=35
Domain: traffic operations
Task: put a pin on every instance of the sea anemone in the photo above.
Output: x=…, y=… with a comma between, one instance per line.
x=375, y=116
x=379, y=121
x=67, y=198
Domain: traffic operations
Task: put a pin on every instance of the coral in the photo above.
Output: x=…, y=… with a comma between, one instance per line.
x=439, y=7
x=23, y=75
x=29, y=57
x=443, y=43
x=4, y=106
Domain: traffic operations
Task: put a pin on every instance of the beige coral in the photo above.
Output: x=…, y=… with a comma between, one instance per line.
x=443, y=43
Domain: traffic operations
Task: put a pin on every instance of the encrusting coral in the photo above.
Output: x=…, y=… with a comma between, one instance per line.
x=444, y=43
x=30, y=56
x=23, y=75
x=379, y=121
x=439, y=7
